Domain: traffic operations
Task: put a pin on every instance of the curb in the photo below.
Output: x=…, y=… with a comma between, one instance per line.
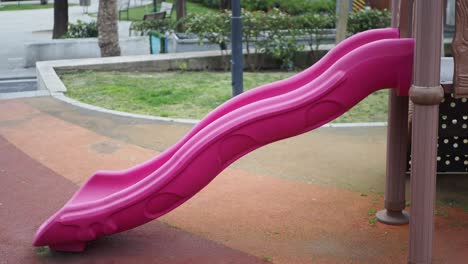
x=5, y=96
x=63, y=98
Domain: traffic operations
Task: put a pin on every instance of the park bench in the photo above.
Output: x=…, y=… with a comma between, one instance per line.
x=164, y=11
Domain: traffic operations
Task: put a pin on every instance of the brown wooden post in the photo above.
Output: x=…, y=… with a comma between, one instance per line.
x=460, y=49
x=426, y=94
x=397, y=141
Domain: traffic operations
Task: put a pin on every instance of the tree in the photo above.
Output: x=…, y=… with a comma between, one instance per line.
x=181, y=12
x=60, y=18
x=225, y=4
x=108, y=28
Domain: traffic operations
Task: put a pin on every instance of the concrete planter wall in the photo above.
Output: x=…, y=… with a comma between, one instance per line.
x=177, y=44
x=60, y=49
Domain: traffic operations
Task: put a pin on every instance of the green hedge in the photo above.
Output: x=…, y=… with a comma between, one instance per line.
x=368, y=19
x=293, y=7
x=82, y=30
x=275, y=33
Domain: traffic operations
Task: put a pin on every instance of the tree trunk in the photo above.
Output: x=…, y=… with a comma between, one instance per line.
x=108, y=29
x=342, y=19
x=181, y=12
x=60, y=18
x=225, y=4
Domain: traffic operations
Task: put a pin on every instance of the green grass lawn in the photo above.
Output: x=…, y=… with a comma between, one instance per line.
x=185, y=94
x=24, y=7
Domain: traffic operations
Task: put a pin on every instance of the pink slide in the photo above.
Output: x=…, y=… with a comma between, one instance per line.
x=112, y=202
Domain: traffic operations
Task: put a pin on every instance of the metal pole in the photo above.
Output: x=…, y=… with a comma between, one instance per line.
x=397, y=141
x=426, y=94
x=237, y=54
x=155, y=6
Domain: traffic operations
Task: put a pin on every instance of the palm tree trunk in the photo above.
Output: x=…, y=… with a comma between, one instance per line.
x=60, y=18
x=108, y=29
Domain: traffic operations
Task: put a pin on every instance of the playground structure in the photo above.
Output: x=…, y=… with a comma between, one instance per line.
x=423, y=21
x=111, y=202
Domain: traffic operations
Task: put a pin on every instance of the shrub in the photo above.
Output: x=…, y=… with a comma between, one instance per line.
x=274, y=33
x=215, y=28
x=82, y=30
x=258, y=5
x=313, y=27
x=293, y=7
x=208, y=3
x=280, y=38
x=368, y=19
x=302, y=7
x=161, y=26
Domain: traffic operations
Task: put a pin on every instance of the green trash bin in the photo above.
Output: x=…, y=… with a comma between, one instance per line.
x=158, y=43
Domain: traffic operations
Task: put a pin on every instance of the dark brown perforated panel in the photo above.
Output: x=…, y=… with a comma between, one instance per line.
x=453, y=135
x=452, y=154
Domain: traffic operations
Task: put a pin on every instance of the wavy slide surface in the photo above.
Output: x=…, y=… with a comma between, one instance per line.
x=111, y=202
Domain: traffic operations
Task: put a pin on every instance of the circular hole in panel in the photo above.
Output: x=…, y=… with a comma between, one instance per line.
x=453, y=104
x=457, y=158
x=444, y=126
x=454, y=121
x=455, y=145
x=446, y=141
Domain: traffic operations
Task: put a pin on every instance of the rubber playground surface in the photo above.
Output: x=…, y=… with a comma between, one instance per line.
x=301, y=200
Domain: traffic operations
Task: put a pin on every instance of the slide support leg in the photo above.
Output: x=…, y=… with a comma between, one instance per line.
x=397, y=133
x=397, y=142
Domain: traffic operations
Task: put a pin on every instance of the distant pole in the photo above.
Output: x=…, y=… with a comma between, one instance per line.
x=342, y=11
x=237, y=54
x=181, y=12
x=155, y=6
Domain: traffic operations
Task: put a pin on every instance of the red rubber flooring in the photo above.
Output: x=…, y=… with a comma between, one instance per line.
x=30, y=192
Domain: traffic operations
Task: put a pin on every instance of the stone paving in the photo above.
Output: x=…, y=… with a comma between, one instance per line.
x=18, y=27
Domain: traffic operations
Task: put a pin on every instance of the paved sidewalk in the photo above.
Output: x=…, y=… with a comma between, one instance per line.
x=18, y=27
x=261, y=206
